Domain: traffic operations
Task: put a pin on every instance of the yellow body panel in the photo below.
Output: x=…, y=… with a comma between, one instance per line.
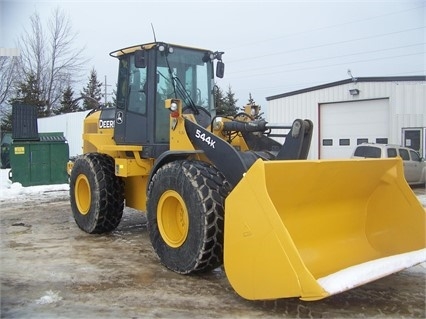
x=95, y=138
x=126, y=167
x=290, y=223
x=146, y=46
x=134, y=170
x=135, y=192
x=178, y=138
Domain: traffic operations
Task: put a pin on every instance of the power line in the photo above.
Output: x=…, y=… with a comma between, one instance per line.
x=329, y=58
x=326, y=44
x=324, y=28
x=330, y=65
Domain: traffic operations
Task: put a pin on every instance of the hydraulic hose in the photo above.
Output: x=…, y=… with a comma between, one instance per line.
x=253, y=126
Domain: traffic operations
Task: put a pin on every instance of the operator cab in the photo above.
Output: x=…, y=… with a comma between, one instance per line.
x=148, y=75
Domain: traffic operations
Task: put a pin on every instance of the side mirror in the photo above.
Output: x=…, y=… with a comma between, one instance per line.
x=140, y=59
x=220, y=69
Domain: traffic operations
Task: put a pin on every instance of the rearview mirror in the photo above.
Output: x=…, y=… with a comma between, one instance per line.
x=140, y=59
x=220, y=69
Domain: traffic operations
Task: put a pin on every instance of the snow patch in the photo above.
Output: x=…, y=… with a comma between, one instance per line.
x=50, y=297
x=360, y=274
x=422, y=199
x=15, y=191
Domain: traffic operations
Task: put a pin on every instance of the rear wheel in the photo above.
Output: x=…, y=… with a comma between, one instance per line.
x=97, y=195
x=185, y=216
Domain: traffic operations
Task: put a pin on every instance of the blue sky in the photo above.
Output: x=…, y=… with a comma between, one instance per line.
x=271, y=47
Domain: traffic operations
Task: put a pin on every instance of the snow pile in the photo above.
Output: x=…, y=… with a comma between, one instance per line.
x=15, y=191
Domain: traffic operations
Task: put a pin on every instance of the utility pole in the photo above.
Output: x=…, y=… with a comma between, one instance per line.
x=106, y=90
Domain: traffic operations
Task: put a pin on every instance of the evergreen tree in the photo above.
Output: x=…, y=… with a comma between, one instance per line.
x=219, y=101
x=225, y=103
x=251, y=100
x=252, y=108
x=231, y=102
x=92, y=92
x=114, y=100
x=68, y=104
x=28, y=92
x=6, y=121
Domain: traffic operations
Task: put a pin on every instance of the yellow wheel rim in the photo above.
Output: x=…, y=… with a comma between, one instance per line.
x=83, y=196
x=172, y=219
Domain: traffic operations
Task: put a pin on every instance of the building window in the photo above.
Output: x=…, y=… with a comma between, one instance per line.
x=381, y=140
x=327, y=142
x=344, y=142
x=361, y=140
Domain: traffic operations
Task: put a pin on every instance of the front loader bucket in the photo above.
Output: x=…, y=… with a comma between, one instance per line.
x=312, y=229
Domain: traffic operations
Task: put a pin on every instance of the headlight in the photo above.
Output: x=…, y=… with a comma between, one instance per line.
x=173, y=106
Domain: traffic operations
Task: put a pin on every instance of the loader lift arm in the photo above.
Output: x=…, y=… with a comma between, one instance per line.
x=295, y=147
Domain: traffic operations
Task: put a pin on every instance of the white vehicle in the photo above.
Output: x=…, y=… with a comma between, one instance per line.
x=414, y=165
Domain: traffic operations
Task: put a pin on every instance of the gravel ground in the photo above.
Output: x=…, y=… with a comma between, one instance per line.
x=51, y=269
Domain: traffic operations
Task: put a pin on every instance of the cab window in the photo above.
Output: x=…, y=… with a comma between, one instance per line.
x=123, y=84
x=137, y=88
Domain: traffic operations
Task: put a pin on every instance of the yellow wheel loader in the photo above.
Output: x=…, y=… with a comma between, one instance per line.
x=222, y=191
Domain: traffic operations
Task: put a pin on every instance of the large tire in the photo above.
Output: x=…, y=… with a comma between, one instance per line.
x=186, y=216
x=97, y=195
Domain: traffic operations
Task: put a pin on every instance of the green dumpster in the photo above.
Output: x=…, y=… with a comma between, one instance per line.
x=41, y=162
x=5, y=149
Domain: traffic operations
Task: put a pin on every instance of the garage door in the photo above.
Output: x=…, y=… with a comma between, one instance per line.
x=346, y=124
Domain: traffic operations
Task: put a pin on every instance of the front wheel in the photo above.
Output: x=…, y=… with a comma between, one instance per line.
x=186, y=215
x=96, y=194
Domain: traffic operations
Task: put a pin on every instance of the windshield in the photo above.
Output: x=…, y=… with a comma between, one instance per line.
x=183, y=74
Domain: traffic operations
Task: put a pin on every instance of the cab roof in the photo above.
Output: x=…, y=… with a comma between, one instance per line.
x=147, y=46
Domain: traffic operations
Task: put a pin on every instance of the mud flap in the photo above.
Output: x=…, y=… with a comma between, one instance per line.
x=312, y=229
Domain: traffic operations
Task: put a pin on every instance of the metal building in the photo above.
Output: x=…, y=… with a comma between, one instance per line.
x=70, y=124
x=390, y=110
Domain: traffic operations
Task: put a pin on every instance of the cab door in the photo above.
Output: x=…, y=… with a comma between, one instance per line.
x=131, y=111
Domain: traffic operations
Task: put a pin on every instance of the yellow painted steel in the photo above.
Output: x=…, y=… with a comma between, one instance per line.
x=172, y=217
x=146, y=46
x=134, y=170
x=83, y=195
x=179, y=139
x=289, y=223
x=135, y=192
x=126, y=167
x=95, y=138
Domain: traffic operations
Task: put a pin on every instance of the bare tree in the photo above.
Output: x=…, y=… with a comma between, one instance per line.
x=8, y=76
x=8, y=68
x=51, y=56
